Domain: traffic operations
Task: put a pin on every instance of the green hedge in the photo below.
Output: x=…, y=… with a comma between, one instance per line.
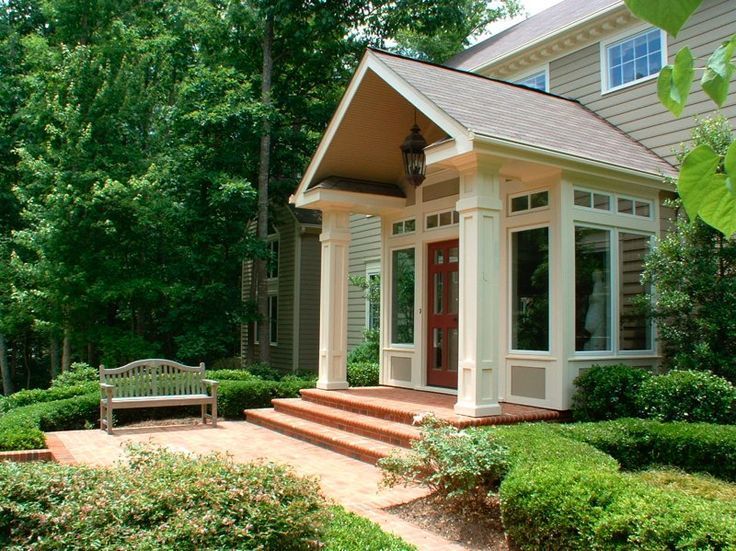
x=235, y=396
x=37, y=395
x=639, y=443
x=562, y=493
x=608, y=392
x=22, y=428
x=363, y=374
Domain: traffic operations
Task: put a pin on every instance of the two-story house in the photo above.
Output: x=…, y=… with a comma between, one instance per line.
x=515, y=263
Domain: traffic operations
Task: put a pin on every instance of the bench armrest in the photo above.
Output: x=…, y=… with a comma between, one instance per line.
x=210, y=382
x=105, y=386
x=109, y=390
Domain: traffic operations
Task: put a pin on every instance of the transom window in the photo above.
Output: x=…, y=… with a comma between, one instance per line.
x=442, y=219
x=404, y=226
x=537, y=80
x=528, y=202
x=634, y=58
x=632, y=206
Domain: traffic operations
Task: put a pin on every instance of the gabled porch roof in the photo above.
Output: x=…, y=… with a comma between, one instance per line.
x=464, y=110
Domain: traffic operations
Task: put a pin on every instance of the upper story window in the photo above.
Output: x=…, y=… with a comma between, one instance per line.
x=536, y=80
x=632, y=206
x=272, y=266
x=634, y=58
x=404, y=226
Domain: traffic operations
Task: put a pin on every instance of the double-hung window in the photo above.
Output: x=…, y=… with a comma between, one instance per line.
x=633, y=58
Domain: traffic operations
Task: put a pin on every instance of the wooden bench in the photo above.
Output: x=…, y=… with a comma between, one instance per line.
x=155, y=383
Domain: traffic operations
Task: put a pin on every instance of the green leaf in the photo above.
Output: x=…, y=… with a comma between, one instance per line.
x=675, y=82
x=669, y=15
x=704, y=193
x=730, y=161
x=698, y=167
x=718, y=72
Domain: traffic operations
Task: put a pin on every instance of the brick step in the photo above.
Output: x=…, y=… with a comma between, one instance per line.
x=381, y=409
x=397, y=434
x=347, y=443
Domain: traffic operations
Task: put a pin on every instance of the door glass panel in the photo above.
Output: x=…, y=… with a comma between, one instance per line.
x=439, y=256
x=439, y=287
x=437, y=348
x=402, y=297
x=453, y=297
x=592, y=289
x=452, y=349
x=454, y=255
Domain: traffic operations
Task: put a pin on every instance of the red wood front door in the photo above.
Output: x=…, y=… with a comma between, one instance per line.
x=443, y=288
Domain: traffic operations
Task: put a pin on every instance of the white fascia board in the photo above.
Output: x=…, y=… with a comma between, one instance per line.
x=438, y=154
x=653, y=179
x=361, y=203
x=372, y=62
x=541, y=39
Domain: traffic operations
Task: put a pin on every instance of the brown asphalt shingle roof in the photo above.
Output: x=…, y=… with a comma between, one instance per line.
x=548, y=21
x=521, y=115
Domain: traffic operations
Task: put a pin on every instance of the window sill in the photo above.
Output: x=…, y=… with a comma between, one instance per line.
x=630, y=84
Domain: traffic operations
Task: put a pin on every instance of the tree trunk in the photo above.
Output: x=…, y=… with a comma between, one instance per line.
x=263, y=173
x=5, y=368
x=66, y=351
x=54, y=356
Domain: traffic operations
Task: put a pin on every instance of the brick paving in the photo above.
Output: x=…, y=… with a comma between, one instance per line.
x=352, y=483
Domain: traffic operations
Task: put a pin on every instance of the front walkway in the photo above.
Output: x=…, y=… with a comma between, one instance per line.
x=352, y=483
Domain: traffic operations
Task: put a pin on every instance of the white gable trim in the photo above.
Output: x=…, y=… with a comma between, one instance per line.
x=372, y=62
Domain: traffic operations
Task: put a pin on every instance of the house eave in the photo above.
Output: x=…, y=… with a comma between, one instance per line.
x=362, y=203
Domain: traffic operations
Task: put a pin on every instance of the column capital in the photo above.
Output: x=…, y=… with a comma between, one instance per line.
x=478, y=202
x=335, y=226
x=475, y=163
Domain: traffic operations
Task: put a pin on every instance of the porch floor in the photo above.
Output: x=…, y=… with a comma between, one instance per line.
x=402, y=405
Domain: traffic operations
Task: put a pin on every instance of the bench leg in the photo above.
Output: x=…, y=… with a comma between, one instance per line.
x=204, y=414
x=102, y=417
x=109, y=420
x=214, y=413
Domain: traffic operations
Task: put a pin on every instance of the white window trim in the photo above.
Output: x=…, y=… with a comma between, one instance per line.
x=390, y=290
x=614, y=197
x=629, y=33
x=635, y=200
x=537, y=70
x=614, y=350
x=511, y=349
x=372, y=268
x=452, y=212
x=255, y=323
x=529, y=194
x=274, y=237
x=403, y=222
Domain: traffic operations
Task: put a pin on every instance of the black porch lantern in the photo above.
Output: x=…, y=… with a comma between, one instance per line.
x=412, y=150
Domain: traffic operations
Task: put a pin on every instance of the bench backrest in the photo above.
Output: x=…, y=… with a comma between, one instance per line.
x=154, y=378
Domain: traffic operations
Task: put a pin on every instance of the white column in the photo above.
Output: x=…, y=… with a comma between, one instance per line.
x=333, y=310
x=479, y=207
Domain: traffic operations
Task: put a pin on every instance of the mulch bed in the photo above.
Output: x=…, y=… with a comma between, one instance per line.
x=480, y=528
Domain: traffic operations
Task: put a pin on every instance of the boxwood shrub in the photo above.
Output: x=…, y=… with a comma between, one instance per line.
x=639, y=443
x=363, y=374
x=696, y=396
x=608, y=392
x=236, y=395
x=562, y=493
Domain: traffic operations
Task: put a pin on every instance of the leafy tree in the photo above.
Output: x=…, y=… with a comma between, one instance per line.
x=693, y=269
x=707, y=181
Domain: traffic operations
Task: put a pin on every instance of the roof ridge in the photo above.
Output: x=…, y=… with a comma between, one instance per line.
x=472, y=74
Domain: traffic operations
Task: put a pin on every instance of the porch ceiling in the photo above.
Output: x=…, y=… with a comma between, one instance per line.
x=366, y=144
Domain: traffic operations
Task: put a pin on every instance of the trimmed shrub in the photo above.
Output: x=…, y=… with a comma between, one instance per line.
x=232, y=375
x=639, y=443
x=235, y=396
x=608, y=392
x=349, y=532
x=37, y=395
x=565, y=494
x=234, y=363
x=367, y=351
x=363, y=374
x=21, y=428
x=265, y=372
x=694, y=396
x=463, y=465
x=161, y=500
